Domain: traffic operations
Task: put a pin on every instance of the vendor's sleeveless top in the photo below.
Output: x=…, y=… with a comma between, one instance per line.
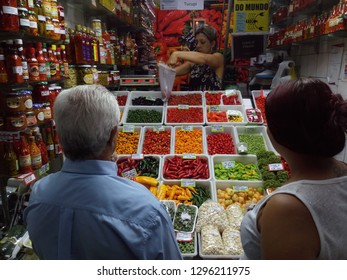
x=203, y=77
x=327, y=202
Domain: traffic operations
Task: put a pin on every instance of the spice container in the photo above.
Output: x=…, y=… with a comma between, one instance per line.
x=15, y=121
x=39, y=114
x=85, y=75
x=185, y=218
x=24, y=23
x=9, y=17
x=31, y=118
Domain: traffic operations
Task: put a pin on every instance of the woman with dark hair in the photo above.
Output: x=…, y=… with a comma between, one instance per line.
x=306, y=218
x=205, y=65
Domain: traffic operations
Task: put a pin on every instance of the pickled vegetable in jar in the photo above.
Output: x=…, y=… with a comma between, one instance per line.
x=85, y=75
x=46, y=7
x=9, y=15
x=54, y=9
x=39, y=114
x=34, y=30
x=47, y=111
x=41, y=24
x=49, y=27
x=72, y=80
x=56, y=29
x=24, y=23
x=31, y=118
x=15, y=121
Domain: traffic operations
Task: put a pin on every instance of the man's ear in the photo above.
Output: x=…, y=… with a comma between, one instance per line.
x=113, y=135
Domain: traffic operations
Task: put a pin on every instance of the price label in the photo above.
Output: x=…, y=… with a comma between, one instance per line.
x=187, y=128
x=150, y=98
x=158, y=128
x=217, y=128
x=129, y=174
x=214, y=109
x=188, y=183
x=28, y=178
x=189, y=156
x=250, y=130
x=44, y=169
x=128, y=128
x=184, y=236
x=182, y=106
x=137, y=156
x=228, y=164
x=240, y=188
x=275, y=167
x=231, y=92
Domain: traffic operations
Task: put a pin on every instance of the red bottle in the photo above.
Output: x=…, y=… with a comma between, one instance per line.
x=41, y=62
x=24, y=156
x=33, y=66
x=41, y=145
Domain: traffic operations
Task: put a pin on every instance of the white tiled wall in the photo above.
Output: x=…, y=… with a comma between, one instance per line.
x=312, y=61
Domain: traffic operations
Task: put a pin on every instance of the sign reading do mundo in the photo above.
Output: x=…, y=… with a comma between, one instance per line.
x=251, y=15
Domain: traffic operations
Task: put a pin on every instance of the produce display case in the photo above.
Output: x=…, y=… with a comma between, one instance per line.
x=156, y=143
x=188, y=142
x=215, y=131
x=184, y=115
x=236, y=94
x=146, y=117
x=192, y=98
x=126, y=134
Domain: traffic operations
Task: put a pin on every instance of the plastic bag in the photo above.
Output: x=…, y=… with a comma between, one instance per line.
x=211, y=241
x=167, y=77
x=232, y=242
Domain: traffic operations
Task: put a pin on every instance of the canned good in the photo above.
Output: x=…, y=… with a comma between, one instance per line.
x=15, y=121
x=85, y=75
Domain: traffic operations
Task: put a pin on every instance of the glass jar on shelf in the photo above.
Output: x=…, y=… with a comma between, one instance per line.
x=33, y=20
x=56, y=29
x=24, y=23
x=9, y=20
x=15, y=121
x=49, y=32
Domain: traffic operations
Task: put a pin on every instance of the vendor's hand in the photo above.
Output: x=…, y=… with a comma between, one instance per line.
x=172, y=61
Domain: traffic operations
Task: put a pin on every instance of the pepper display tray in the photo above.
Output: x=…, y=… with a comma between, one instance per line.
x=158, y=129
x=149, y=109
x=205, y=184
x=256, y=93
x=190, y=140
x=185, y=218
x=228, y=161
x=255, y=130
x=187, y=100
x=189, y=256
x=185, y=111
x=220, y=128
x=150, y=95
x=122, y=93
x=178, y=172
x=224, y=92
x=120, y=143
x=226, y=108
x=238, y=187
x=137, y=157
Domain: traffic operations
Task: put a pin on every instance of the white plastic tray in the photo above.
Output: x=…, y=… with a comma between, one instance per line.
x=122, y=93
x=166, y=128
x=150, y=108
x=244, y=159
x=136, y=129
x=148, y=94
x=194, y=127
x=256, y=130
x=187, y=93
x=226, y=129
x=184, y=111
x=225, y=108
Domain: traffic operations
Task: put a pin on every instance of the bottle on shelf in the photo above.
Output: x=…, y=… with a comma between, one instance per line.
x=52, y=63
x=33, y=21
x=59, y=62
x=41, y=145
x=35, y=153
x=57, y=148
x=50, y=144
x=41, y=62
x=94, y=48
x=13, y=64
x=87, y=46
x=33, y=65
x=64, y=66
x=47, y=62
x=3, y=72
x=24, y=156
x=10, y=160
x=80, y=46
x=25, y=68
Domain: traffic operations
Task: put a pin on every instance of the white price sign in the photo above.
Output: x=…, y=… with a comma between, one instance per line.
x=150, y=98
x=129, y=174
x=184, y=107
x=228, y=164
x=137, y=156
x=44, y=169
x=28, y=178
x=158, y=128
x=128, y=128
x=187, y=128
x=217, y=128
x=214, y=109
x=188, y=183
x=275, y=167
x=184, y=236
x=189, y=156
x=240, y=188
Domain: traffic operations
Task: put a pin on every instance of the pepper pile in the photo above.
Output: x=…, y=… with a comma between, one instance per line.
x=188, y=142
x=122, y=100
x=217, y=117
x=220, y=143
x=255, y=142
x=145, y=101
x=240, y=171
x=260, y=102
x=213, y=98
x=188, y=99
x=149, y=166
x=144, y=116
x=179, y=168
x=190, y=115
x=127, y=142
x=157, y=142
x=231, y=100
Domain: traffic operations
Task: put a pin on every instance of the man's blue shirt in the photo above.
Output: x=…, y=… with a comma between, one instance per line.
x=85, y=211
